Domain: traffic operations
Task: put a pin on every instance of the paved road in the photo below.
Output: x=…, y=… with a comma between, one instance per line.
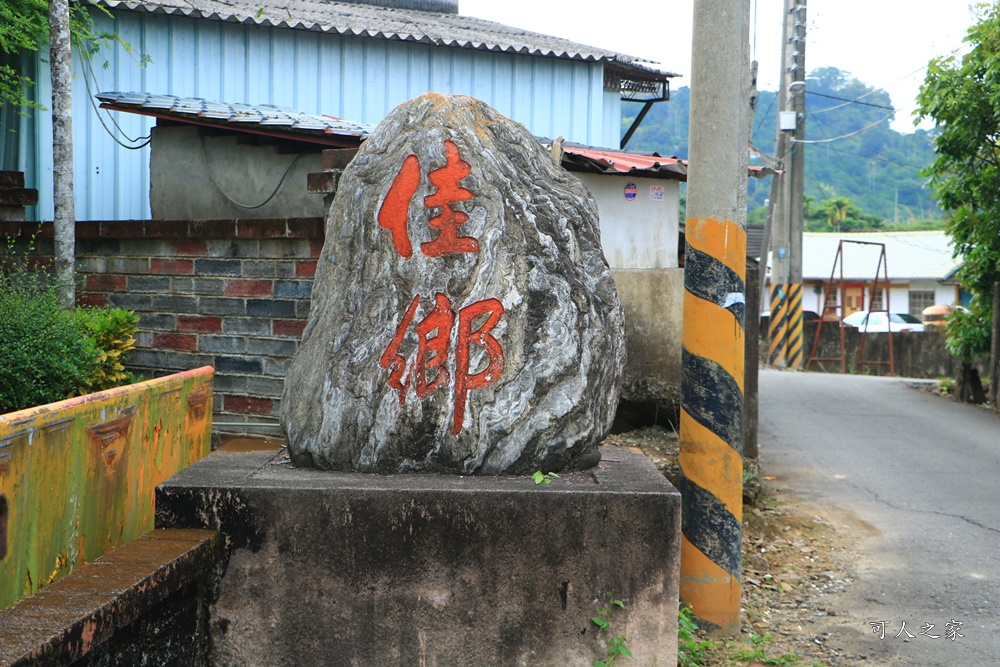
x=925, y=472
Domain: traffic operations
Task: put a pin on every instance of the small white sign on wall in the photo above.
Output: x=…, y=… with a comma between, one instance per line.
x=655, y=193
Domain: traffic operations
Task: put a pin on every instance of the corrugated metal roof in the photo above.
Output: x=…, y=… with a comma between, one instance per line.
x=650, y=164
x=383, y=22
x=609, y=161
x=268, y=119
x=909, y=255
x=291, y=124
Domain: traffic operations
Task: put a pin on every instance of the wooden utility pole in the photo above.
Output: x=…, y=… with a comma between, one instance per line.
x=711, y=433
x=64, y=216
x=787, y=195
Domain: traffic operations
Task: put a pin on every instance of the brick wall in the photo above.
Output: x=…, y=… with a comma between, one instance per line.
x=233, y=294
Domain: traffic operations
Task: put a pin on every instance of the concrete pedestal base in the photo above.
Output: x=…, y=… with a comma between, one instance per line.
x=326, y=568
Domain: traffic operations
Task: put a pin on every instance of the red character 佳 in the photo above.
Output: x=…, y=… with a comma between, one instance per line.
x=393, y=215
x=433, y=338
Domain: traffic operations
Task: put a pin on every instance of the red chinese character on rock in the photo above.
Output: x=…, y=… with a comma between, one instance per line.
x=432, y=350
x=395, y=210
x=392, y=360
x=447, y=180
x=464, y=383
x=433, y=341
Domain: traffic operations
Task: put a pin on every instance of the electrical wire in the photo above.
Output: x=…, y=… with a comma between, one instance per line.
x=844, y=136
x=767, y=157
x=872, y=157
x=764, y=117
x=844, y=99
x=97, y=112
x=211, y=176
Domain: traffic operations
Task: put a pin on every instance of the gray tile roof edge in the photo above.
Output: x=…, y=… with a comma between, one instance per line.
x=387, y=23
x=264, y=114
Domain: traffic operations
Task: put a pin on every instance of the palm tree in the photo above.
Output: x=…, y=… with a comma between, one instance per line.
x=836, y=209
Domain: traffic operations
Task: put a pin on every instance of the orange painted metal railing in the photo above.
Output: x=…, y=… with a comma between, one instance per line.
x=78, y=477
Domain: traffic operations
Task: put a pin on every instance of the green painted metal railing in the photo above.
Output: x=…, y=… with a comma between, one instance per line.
x=79, y=476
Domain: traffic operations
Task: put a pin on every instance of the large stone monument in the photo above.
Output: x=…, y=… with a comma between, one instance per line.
x=464, y=318
x=464, y=321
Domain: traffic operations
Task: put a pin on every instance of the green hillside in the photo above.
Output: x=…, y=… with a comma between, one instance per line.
x=874, y=167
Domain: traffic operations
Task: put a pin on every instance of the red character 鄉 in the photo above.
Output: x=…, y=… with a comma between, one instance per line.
x=433, y=338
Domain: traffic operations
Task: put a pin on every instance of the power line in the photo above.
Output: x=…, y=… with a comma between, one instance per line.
x=843, y=136
x=764, y=117
x=871, y=157
x=844, y=99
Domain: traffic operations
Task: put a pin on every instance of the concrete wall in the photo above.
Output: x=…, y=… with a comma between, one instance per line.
x=196, y=176
x=639, y=237
x=640, y=233
x=79, y=475
x=342, y=569
x=232, y=294
x=653, y=303
x=917, y=354
x=144, y=603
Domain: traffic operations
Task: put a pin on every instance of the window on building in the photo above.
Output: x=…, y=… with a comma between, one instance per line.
x=877, y=301
x=920, y=299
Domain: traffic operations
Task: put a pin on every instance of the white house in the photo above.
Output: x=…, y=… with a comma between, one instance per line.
x=920, y=268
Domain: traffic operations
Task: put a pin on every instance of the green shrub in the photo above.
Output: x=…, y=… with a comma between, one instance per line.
x=112, y=330
x=46, y=353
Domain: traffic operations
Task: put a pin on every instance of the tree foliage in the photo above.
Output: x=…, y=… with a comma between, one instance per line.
x=962, y=95
x=836, y=211
x=24, y=30
x=839, y=214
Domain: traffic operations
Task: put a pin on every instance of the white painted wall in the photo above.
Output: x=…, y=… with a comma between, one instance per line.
x=944, y=295
x=899, y=295
x=640, y=233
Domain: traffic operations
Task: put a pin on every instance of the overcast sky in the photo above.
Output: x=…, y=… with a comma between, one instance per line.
x=884, y=43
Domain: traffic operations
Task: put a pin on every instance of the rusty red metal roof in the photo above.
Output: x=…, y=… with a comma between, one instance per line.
x=607, y=160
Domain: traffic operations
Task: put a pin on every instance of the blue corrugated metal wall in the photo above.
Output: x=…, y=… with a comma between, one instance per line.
x=350, y=77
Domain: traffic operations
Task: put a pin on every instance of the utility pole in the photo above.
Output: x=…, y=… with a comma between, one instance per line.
x=787, y=194
x=711, y=433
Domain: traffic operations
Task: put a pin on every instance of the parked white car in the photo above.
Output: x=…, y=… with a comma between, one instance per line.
x=882, y=322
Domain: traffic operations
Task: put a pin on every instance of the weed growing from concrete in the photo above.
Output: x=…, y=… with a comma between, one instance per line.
x=616, y=643
x=544, y=477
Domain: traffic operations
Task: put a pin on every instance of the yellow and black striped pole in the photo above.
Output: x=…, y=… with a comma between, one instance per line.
x=713, y=355
x=778, y=329
x=793, y=310
x=711, y=436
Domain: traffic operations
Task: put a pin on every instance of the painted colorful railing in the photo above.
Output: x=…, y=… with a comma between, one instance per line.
x=77, y=477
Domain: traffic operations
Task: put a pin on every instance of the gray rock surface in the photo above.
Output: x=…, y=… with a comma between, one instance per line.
x=464, y=318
